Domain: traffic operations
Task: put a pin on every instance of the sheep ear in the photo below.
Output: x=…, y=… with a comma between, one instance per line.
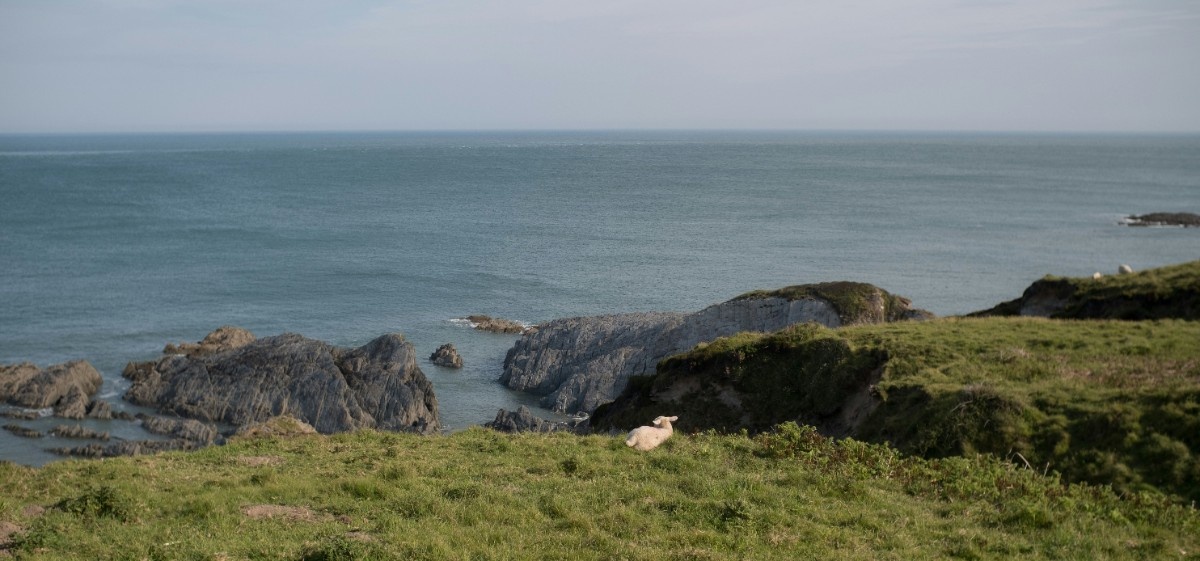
x=673, y=419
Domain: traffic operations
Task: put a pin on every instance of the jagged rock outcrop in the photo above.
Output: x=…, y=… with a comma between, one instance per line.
x=446, y=355
x=186, y=429
x=523, y=420
x=127, y=448
x=282, y=426
x=78, y=431
x=581, y=363
x=1180, y=219
x=224, y=338
x=22, y=431
x=496, y=325
x=98, y=409
x=21, y=414
x=334, y=389
x=64, y=387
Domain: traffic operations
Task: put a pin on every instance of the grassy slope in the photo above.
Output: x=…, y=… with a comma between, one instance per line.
x=483, y=495
x=1100, y=401
x=1165, y=292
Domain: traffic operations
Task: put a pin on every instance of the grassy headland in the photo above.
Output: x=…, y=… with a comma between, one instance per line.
x=1105, y=402
x=1006, y=437
x=1164, y=292
x=785, y=494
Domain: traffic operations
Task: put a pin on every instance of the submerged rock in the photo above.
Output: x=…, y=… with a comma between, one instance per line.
x=186, y=429
x=332, y=388
x=23, y=432
x=78, y=431
x=446, y=355
x=22, y=414
x=581, y=363
x=126, y=448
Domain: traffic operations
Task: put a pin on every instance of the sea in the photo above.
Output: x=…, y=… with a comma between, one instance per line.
x=112, y=246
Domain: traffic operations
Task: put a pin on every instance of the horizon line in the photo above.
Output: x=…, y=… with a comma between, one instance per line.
x=266, y=131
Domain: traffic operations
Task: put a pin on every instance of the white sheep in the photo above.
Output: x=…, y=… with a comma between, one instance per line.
x=648, y=438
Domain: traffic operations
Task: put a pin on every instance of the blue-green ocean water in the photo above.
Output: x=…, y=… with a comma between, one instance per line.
x=112, y=246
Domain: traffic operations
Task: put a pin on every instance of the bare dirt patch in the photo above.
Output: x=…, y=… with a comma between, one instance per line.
x=33, y=511
x=7, y=530
x=257, y=461
x=292, y=513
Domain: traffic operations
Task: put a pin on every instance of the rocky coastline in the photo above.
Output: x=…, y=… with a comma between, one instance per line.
x=578, y=364
x=233, y=383
x=230, y=382
x=332, y=388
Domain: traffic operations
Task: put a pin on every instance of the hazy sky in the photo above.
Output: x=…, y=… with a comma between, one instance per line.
x=175, y=65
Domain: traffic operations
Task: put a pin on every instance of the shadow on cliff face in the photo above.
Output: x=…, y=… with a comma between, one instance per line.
x=578, y=364
x=748, y=381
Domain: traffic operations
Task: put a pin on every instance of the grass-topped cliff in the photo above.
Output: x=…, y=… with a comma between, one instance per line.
x=1101, y=401
x=1165, y=292
x=789, y=494
x=855, y=302
x=1097, y=400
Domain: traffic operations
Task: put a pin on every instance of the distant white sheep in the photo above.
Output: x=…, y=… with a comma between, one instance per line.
x=648, y=438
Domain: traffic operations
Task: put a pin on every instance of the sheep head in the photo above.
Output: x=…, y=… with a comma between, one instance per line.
x=658, y=421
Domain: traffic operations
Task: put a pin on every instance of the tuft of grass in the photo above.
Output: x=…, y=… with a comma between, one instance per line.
x=785, y=493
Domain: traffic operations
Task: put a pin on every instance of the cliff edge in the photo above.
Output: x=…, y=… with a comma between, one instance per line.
x=580, y=363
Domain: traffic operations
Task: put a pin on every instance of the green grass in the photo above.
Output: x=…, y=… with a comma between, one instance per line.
x=1108, y=402
x=1164, y=292
x=785, y=494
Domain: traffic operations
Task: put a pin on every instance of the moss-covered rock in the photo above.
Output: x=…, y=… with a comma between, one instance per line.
x=855, y=302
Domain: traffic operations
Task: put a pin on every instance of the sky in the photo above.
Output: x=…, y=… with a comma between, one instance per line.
x=285, y=65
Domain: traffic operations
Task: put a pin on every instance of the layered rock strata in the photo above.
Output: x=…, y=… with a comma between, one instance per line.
x=334, y=389
x=64, y=387
x=496, y=325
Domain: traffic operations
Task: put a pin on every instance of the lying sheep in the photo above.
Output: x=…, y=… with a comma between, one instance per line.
x=648, y=438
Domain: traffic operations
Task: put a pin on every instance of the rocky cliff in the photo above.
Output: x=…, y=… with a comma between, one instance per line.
x=581, y=363
x=334, y=389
